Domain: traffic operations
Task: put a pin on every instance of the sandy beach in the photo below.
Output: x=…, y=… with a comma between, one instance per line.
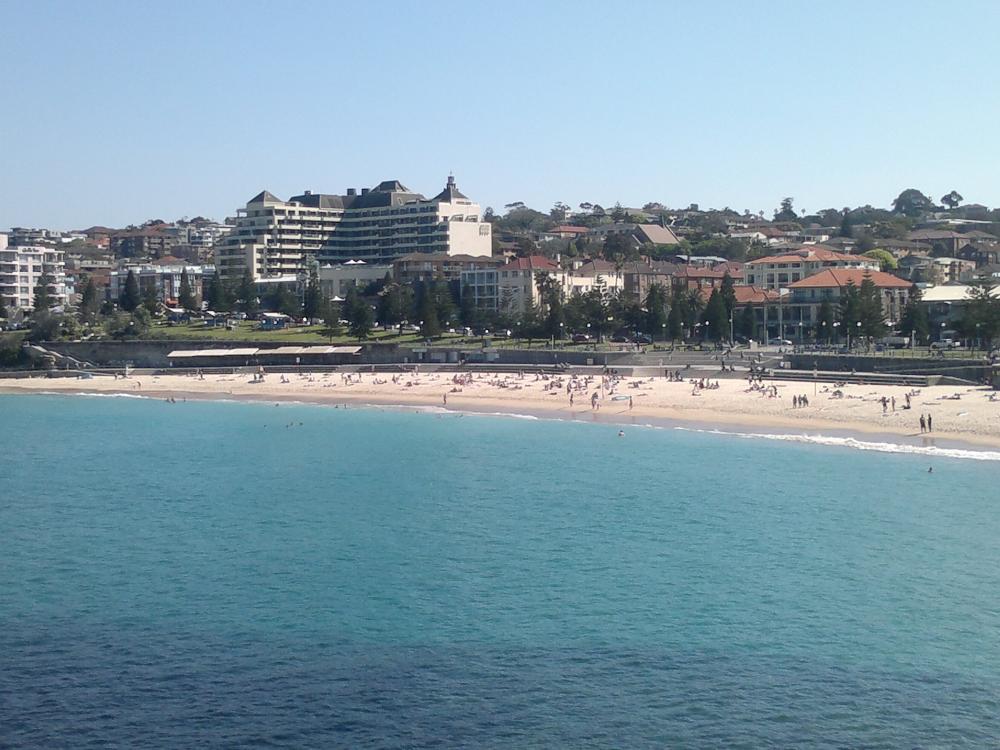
x=965, y=415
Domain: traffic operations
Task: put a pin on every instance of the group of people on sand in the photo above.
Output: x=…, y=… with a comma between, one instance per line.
x=926, y=423
x=703, y=385
x=757, y=386
x=800, y=402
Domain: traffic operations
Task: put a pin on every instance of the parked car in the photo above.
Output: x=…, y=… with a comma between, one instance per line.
x=642, y=338
x=946, y=344
x=620, y=338
x=581, y=338
x=779, y=342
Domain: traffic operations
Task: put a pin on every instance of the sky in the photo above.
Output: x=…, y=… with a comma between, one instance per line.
x=119, y=112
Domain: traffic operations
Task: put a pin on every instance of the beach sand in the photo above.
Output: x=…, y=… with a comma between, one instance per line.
x=972, y=420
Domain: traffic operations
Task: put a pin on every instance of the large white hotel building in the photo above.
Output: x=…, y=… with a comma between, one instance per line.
x=275, y=238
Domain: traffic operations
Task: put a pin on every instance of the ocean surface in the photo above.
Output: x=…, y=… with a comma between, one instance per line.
x=244, y=575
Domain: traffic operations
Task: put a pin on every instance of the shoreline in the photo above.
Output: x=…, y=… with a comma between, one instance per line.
x=676, y=412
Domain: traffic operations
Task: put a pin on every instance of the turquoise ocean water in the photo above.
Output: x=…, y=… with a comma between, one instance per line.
x=203, y=574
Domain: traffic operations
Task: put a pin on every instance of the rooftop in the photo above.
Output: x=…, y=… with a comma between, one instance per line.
x=531, y=263
x=841, y=277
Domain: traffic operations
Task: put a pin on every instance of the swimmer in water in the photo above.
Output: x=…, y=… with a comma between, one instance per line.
x=930, y=469
x=621, y=433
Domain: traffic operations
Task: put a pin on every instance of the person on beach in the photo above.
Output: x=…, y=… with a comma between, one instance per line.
x=923, y=424
x=629, y=402
x=930, y=423
x=444, y=398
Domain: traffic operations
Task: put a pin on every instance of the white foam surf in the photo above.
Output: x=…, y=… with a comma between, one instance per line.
x=855, y=444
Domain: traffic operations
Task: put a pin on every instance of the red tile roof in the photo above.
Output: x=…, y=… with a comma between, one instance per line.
x=568, y=228
x=841, y=277
x=807, y=253
x=700, y=273
x=750, y=295
x=532, y=263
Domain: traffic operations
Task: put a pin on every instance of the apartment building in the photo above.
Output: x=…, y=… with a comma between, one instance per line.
x=390, y=220
x=808, y=294
x=415, y=267
x=777, y=271
x=22, y=267
x=275, y=237
x=163, y=280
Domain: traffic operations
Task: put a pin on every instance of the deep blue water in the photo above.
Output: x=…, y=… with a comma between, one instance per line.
x=200, y=574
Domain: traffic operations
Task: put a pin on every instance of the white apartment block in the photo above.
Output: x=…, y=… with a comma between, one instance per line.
x=275, y=237
x=21, y=268
x=511, y=288
x=163, y=280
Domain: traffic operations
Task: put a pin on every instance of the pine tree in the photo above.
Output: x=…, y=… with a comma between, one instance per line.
x=677, y=318
x=43, y=297
x=357, y=313
x=330, y=313
x=247, y=294
x=914, y=318
x=850, y=308
x=186, y=296
x=427, y=311
x=467, y=311
x=443, y=303
x=871, y=313
x=129, y=298
x=729, y=294
x=149, y=300
x=89, y=303
x=845, y=225
x=312, y=300
x=716, y=319
x=656, y=310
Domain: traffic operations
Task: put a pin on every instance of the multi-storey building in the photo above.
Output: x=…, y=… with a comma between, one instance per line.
x=274, y=237
x=808, y=294
x=151, y=241
x=415, y=267
x=23, y=266
x=391, y=221
x=336, y=280
x=778, y=271
x=164, y=281
x=517, y=282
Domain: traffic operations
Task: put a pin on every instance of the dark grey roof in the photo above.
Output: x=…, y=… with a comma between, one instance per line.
x=387, y=193
x=323, y=200
x=450, y=194
x=265, y=197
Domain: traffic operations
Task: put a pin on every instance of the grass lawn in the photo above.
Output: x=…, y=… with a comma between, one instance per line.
x=248, y=331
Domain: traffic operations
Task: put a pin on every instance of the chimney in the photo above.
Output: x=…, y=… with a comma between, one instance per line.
x=364, y=191
x=309, y=192
x=352, y=191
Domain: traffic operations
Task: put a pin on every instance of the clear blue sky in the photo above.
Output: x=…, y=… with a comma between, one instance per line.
x=116, y=112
